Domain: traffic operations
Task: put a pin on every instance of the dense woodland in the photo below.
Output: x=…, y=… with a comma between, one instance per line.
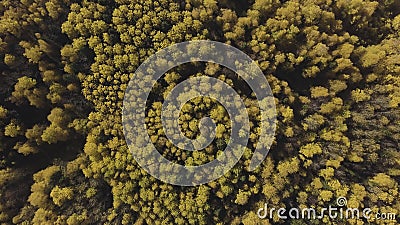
x=333, y=67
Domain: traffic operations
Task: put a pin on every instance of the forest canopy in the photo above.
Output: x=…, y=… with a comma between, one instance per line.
x=333, y=68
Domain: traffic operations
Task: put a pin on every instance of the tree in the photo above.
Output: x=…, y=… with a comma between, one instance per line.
x=65, y=66
x=61, y=195
x=13, y=129
x=360, y=95
x=3, y=112
x=319, y=91
x=310, y=150
x=54, y=134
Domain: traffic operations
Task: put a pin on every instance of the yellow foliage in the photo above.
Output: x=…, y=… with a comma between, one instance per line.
x=61, y=195
x=319, y=91
x=359, y=95
x=325, y=195
x=310, y=150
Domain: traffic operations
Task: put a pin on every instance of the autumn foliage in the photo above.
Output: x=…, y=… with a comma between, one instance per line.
x=333, y=67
